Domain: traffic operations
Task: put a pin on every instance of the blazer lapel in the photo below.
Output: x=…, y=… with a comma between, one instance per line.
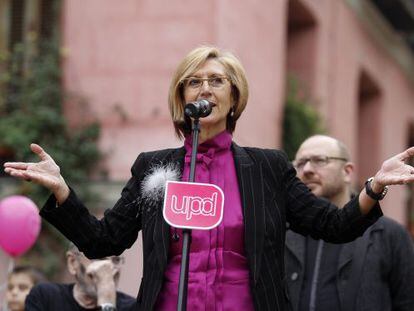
x=161, y=228
x=250, y=180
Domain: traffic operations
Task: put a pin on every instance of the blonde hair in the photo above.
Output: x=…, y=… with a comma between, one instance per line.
x=191, y=63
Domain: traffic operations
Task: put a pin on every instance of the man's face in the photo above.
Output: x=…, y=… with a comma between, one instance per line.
x=322, y=168
x=18, y=288
x=87, y=271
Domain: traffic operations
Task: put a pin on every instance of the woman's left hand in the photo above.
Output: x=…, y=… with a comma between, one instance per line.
x=394, y=171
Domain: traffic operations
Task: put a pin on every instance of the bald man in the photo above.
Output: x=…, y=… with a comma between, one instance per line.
x=374, y=272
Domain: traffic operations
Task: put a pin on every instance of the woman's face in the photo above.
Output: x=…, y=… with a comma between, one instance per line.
x=217, y=91
x=17, y=289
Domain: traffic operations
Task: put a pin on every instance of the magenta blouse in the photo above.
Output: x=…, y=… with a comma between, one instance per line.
x=218, y=271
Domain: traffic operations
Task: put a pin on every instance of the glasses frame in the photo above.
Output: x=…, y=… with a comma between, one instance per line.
x=208, y=79
x=312, y=161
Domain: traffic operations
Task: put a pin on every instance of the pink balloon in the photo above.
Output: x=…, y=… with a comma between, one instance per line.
x=19, y=224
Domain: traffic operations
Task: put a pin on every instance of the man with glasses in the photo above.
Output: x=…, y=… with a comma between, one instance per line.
x=374, y=272
x=94, y=287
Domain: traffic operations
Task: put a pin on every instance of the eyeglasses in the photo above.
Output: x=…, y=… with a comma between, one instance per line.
x=195, y=83
x=315, y=161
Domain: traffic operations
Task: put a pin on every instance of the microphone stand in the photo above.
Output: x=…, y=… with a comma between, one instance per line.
x=185, y=258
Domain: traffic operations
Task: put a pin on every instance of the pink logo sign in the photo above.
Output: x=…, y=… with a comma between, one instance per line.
x=193, y=205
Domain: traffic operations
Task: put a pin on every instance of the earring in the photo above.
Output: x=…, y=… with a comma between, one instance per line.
x=231, y=112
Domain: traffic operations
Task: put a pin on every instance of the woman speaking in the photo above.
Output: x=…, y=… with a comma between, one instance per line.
x=239, y=264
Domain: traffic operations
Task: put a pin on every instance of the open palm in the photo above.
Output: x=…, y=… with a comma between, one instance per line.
x=45, y=172
x=395, y=171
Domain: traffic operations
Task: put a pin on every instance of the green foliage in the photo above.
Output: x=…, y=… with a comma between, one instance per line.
x=300, y=120
x=32, y=111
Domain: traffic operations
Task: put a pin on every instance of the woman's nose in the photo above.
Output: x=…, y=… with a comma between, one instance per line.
x=205, y=87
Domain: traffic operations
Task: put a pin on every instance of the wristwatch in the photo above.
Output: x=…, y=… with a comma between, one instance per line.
x=107, y=307
x=373, y=195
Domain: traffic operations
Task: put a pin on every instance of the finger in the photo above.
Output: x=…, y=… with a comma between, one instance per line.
x=116, y=275
x=37, y=178
x=91, y=276
x=89, y=269
x=408, y=153
x=16, y=173
x=116, y=271
x=406, y=181
x=40, y=152
x=400, y=180
x=27, y=178
x=9, y=171
x=17, y=165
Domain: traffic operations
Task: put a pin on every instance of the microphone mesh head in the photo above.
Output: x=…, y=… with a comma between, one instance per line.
x=198, y=109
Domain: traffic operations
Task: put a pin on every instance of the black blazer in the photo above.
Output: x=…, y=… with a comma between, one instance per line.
x=271, y=195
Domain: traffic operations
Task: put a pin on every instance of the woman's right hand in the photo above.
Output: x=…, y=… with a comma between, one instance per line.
x=45, y=172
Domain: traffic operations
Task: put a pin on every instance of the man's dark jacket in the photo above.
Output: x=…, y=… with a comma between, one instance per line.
x=374, y=272
x=59, y=297
x=270, y=195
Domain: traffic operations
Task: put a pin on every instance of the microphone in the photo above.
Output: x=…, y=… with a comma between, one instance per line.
x=199, y=109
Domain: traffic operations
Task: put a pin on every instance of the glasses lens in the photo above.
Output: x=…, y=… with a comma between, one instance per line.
x=315, y=161
x=216, y=81
x=194, y=82
x=319, y=161
x=299, y=164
